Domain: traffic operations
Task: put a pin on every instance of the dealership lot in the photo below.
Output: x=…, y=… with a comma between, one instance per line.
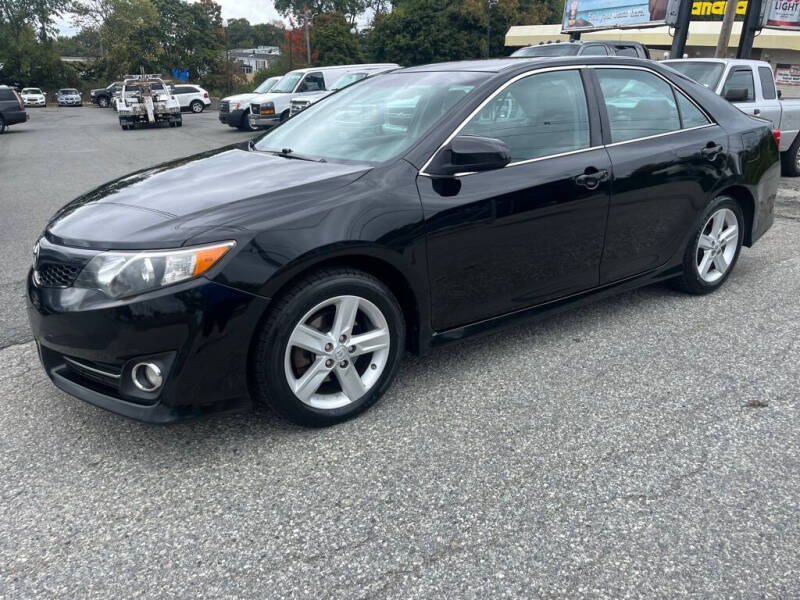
x=643, y=445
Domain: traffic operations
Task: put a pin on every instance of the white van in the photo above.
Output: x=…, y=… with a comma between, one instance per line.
x=272, y=108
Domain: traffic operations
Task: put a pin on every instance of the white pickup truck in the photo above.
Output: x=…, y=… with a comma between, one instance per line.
x=750, y=86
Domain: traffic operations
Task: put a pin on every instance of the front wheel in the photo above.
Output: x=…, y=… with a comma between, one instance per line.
x=714, y=248
x=196, y=106
x=244, y=124
x=102, y=102
x=330, y=348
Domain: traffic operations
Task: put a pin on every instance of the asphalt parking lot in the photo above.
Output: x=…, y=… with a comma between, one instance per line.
x=646, y=445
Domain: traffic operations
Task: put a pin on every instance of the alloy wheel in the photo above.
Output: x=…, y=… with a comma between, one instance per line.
x=797, y=158
x=717, y=245
x=197, y=107
x=337, y=352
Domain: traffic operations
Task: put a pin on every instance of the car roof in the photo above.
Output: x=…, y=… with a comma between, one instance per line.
x=335, y=67
x=724, y=61
x=524, y=63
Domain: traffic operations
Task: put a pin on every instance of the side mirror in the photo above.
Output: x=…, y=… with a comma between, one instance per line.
x=467, y=153
x=736, y=95
x=780, y=94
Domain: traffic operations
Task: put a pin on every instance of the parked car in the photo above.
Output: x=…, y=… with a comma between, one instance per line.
x=33, y=97
x=12, y=108
x=191, y=97
x=235, y=110
x=750, y=86
x=146, y=100
x=584, y=48
x=267, y=110
x=412, y=209
x=103, y=96
x=300, y=103
x=69, y=97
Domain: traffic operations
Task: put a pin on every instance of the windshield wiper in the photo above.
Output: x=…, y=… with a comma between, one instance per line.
x=289, y=153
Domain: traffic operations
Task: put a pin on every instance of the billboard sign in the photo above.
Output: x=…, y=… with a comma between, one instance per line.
x=783, y=14
x=590, y=15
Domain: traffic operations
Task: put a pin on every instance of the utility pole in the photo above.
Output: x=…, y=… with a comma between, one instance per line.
x=725, y=30
x=306, y=17
x=488, y=28
x=682, y=29
x=751, y=23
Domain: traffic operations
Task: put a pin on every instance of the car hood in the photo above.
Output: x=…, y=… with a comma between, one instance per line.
x=239, y=98
x=164, y=206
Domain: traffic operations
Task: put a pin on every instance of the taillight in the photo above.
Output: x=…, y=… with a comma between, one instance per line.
x=776, y=133
x=205, y=94
x=19, y=101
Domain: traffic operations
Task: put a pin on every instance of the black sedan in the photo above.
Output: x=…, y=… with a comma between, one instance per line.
x=415, y=208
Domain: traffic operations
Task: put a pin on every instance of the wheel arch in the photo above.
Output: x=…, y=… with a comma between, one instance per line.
x=748, y=205
x=391, y=275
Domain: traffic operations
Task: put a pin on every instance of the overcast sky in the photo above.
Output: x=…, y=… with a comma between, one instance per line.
x=255, y=11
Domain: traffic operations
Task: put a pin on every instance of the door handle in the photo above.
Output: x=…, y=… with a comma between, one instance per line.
x=591, y=178
x=711, y=151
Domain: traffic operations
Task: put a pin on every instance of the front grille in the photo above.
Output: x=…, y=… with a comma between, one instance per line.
x=224, y=106
x=56, y=275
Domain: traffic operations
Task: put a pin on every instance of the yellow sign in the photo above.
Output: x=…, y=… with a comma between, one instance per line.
x=703, y=8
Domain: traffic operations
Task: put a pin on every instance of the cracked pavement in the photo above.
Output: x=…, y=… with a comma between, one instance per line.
x=641, y=446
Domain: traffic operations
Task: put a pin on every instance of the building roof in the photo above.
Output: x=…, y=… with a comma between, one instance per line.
x=701, y=33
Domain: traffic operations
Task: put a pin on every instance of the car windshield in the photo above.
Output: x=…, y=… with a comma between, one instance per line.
x=706, y=73
x=373, y=121
x=346, y=80
x=286, y=83
x=548, y=50
x=266, y=85
x=68, y=91
x=31, y=91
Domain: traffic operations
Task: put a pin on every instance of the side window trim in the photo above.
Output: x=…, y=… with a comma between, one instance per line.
x=604, y=113
x=592, y=105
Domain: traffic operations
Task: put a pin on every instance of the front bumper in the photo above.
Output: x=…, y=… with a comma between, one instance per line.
x=232, y=118
x=199, y=332
x=70, y=102
x=34, y=102
x=262, y=121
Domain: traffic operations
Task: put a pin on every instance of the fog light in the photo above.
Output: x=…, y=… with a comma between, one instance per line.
x=147, y=376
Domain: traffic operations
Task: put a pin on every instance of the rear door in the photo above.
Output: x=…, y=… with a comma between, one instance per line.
x=667, y=156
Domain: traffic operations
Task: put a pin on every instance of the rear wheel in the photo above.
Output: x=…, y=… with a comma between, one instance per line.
x=330, y=348
x=2, y=125
x=714, y=248
x=179, y=122
x=196, y=106
x=791, y=159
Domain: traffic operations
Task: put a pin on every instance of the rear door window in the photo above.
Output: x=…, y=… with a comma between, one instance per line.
x=594, y=50
x=639, y=104
x=767, y=83
x=7, y=94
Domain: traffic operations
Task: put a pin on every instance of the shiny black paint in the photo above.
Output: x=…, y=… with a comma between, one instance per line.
x=462, y=254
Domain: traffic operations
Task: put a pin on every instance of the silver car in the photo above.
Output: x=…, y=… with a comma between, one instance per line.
x=69, y=97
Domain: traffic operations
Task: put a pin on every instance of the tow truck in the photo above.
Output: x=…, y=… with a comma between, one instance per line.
x=146, y=100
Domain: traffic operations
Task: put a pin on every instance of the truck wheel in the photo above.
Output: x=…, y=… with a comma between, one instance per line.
x=244, y=124
x=791, y=159
x=196, y=106
x=2, y=125
x=102, y=102
x=179, y=122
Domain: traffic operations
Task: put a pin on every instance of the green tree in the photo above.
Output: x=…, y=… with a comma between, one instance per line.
x=130, y=38
x=189, y=36
x=331, y=41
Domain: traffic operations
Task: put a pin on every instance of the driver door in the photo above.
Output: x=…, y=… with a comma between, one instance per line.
x=503, y=240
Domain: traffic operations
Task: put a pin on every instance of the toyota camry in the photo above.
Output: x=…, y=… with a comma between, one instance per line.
x=418, y=207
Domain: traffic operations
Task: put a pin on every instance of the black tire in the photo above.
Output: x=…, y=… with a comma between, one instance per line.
x=691, y=281
x=270, y=385
x=196, y=106
x=179, y=122
x=2, y=125
x=791, y=158
x=244, y=123
x=102, y=102
x=285, y=115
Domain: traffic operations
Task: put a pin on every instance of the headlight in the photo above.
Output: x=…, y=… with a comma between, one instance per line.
x=119, y=274
x=235, y=105
x=268, y=108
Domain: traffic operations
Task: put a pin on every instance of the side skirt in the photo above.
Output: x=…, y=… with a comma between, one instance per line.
x=554, y=306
